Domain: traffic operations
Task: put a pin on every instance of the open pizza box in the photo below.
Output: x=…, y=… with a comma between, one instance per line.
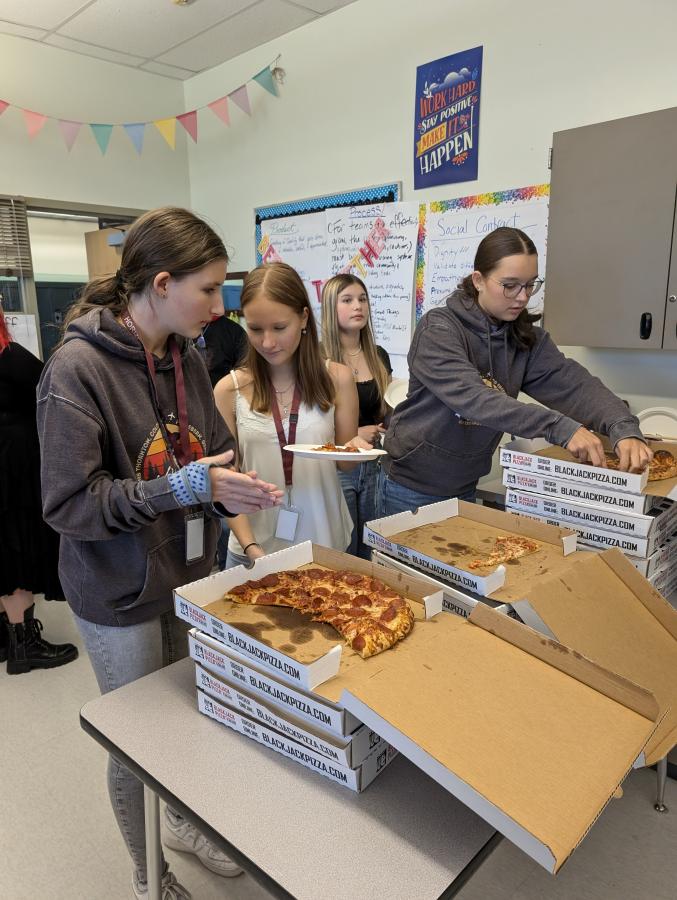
x=443, y=537
x=610, y=613
x=540, y=458
x=280, y=639
x=531, y=735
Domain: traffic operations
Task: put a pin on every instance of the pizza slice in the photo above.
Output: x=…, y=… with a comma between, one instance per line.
x=506, y=548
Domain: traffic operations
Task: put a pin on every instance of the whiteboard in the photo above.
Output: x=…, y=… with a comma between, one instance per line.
x=23, y=330
x=451, y=231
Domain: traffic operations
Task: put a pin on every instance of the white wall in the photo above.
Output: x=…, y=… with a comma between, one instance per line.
x=346, y=112
x=65, y=85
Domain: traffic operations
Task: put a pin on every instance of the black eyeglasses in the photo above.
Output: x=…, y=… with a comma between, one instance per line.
x=512, y=289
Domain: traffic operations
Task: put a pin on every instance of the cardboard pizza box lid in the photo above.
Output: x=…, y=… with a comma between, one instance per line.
x=473, y=527
x=529, y=734
x=609, y=612
x=619, y=481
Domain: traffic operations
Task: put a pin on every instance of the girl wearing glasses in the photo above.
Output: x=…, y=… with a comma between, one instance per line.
x=468, y=361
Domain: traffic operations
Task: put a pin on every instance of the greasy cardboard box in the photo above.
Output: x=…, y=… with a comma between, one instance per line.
x=469, y=526
x=453, y=600
x=539, y=764
x=609, y=612
x=658, y=523
x=576, y=491
x=346, y=751
x=357, y=779
x=599, y=539
x=238, y=669
x=280, y=639
x=541, y=458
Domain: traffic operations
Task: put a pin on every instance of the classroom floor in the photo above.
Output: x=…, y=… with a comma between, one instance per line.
x=59, y=838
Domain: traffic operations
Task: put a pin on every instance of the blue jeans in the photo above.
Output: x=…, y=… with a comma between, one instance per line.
x=237, y=559
x=118, y=656
x=393, y=497
x=222, y=545
x=359, y=490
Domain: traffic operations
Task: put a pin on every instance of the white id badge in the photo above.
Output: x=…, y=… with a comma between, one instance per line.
x=287, y=523
x=195, y=537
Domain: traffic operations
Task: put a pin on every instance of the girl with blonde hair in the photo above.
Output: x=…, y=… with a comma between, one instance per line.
x=285, y=394
x=347, y=337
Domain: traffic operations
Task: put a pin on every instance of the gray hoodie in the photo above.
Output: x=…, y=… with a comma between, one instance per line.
x=464, y=373
x=104, y=466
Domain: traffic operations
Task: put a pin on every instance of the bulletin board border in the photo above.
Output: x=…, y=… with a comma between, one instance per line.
x=379, y=193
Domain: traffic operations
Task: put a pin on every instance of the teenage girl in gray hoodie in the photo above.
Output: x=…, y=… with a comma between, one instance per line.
x=468, y=361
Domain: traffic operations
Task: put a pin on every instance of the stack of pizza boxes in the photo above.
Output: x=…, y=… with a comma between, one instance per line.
x=252, y=684
x=607, y=508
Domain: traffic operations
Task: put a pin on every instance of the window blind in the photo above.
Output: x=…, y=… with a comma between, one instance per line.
x=15, y=247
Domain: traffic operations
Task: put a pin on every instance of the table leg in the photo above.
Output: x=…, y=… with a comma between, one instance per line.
x=151, y=803
x=661, y=775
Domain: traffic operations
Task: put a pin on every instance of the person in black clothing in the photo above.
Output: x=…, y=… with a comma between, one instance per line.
x=29, y=549
x=347, y=338
x=226, y=347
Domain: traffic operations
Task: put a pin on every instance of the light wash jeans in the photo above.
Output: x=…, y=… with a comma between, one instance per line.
x=393, y=497
x=120, y=655
x=359, y=489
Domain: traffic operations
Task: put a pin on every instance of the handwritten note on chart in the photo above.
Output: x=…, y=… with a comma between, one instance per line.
x=452, y=230
x=300, y=241
x=378, y=244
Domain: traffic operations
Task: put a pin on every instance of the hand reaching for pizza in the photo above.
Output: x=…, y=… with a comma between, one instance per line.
x=587, y=447
x=239, y=492
x=633, y=455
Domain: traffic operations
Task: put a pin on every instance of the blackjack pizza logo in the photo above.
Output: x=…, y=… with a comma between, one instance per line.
x=154, y=459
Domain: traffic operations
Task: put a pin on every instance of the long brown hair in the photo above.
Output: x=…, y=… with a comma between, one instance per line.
x=169, y=239
x=282, y=284
x=331, y=333
x=498, y=244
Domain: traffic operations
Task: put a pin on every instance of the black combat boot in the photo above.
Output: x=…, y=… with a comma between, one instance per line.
x=4, y=636
x=28, y=650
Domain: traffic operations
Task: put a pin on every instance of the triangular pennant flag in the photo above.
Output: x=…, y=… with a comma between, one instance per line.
x=266, y=80
x=189, y=122
x=102, y=134
x=136, y=130
x=167, y=128
x=3, y=106
x=34, y=122
x=240, y=97
x=220, y=108
x=69, y=130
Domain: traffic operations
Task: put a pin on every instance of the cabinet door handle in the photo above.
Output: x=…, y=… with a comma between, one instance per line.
x=645, y=326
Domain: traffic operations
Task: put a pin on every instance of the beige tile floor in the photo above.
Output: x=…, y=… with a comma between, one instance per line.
x=58, y=838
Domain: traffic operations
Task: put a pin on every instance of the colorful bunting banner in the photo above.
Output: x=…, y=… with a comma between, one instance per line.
x=69, y=130
x=102, y=134
x=268, y=78
x=220, y=108
x=189, y=122
x=34, y=122
x=241, y=99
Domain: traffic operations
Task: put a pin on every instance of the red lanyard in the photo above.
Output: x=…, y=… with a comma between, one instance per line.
x=287, y=457
x=178, y=447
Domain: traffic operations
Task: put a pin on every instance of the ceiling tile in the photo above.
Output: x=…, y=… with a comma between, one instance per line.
x=266, y=20
x=169, y=71
x=126, y=59
x=21, y=30
x=321, y=6
x=46, y=14
x=147, y=27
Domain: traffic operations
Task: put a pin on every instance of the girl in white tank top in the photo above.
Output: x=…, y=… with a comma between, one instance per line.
x=284, y=361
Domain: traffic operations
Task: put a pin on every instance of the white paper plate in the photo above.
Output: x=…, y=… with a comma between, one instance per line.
x=308, y=451
x=659, y=420
x=396, y=392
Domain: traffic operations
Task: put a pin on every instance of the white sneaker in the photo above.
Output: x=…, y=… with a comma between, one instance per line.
x=181, y=835
x=171, y=889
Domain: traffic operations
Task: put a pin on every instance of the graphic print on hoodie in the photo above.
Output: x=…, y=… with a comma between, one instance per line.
x=104, y=466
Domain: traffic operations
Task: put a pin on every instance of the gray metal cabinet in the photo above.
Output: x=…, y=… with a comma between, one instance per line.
x=611, y=269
